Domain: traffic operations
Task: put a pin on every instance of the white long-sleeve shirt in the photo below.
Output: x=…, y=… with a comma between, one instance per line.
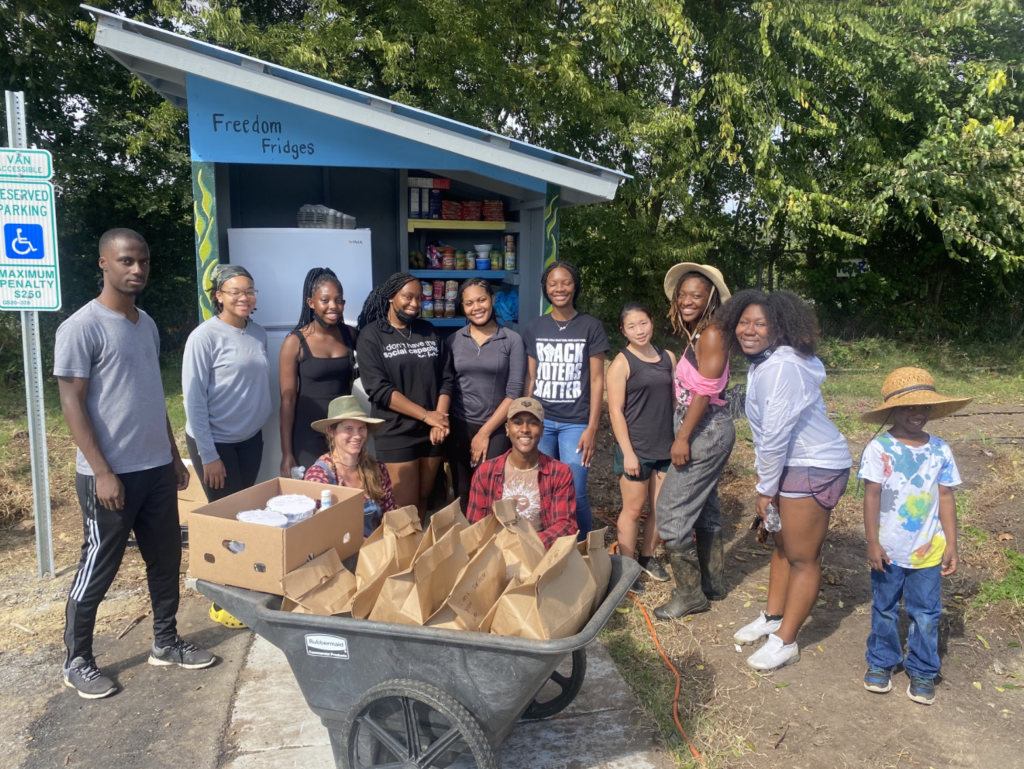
x=788, y=418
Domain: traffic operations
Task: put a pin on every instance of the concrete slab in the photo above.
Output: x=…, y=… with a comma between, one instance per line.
x=271, y=727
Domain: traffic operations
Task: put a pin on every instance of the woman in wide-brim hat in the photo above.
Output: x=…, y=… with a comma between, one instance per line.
x=911, y=386
x=704, y=436
x=348, y=463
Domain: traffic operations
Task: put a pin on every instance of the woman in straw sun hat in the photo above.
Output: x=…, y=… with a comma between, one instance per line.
x=910, y=527
x=348, y=463
x=704, y=437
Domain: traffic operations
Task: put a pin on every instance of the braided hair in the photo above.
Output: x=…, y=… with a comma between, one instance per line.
x=675, y=317
x=375, y=308
x=315, y=278
x=570, y=268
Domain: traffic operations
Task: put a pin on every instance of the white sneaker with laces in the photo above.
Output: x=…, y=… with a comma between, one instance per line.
x=774, y=655
x=756, y=630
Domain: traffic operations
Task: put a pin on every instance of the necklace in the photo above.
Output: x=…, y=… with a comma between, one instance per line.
x=560, y=326
x=525, y=469
x=407, y=336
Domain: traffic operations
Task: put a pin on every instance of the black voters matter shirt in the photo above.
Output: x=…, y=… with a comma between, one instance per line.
x=563, y=357
x=412, y=361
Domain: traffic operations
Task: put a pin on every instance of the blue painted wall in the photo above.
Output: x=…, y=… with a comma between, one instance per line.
x=229, y=125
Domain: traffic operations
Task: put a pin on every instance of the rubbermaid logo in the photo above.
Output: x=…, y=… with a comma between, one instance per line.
x=332, y=646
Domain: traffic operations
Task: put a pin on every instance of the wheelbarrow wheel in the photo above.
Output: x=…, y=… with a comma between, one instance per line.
x=402, y=724
x=568, y=687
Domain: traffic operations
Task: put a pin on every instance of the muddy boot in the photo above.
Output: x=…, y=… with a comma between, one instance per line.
x=711, y=554
x=687, y=597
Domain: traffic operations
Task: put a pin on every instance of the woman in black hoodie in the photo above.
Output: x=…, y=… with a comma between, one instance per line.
x=407, y=375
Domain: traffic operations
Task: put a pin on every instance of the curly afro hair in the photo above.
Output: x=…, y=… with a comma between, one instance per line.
x=791, y=321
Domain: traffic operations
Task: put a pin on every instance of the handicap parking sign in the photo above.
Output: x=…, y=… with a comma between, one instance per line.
x=23, y=241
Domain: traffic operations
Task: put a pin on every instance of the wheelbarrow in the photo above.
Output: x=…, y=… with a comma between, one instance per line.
x=400, y=696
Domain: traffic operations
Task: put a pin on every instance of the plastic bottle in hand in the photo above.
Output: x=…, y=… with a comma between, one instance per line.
x=772, y=522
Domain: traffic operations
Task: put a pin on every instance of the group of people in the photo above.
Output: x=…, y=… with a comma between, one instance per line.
x=517, y=417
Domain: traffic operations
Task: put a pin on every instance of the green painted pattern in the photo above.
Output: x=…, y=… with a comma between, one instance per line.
x=552, y=207
x=207, y=249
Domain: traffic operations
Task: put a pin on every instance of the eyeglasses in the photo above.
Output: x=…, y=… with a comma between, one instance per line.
x=251, y=293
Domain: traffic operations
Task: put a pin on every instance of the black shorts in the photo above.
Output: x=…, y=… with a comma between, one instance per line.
x=647, y=466
x=409, y=453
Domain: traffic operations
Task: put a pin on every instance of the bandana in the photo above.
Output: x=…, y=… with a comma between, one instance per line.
x=225, y=272
x=760, y=357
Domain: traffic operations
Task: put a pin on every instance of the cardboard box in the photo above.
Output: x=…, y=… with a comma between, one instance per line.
x=270, y=553
x=191, y=498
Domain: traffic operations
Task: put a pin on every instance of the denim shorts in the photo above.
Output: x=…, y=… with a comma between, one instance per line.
x=647, y=466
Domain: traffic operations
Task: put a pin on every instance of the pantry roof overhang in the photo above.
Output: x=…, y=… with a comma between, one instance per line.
x=383, y=132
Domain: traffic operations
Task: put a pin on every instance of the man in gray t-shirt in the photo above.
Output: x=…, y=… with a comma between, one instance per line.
x=107, y=360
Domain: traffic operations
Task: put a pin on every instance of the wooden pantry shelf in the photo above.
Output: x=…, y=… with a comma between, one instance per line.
x=455, y=224
x=443, y=274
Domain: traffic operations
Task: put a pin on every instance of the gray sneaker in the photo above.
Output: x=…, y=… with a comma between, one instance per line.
x=83, y=675
x=181, y=653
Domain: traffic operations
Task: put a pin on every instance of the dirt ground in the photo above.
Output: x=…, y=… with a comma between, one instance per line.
x=816, y=713
x=813, y=714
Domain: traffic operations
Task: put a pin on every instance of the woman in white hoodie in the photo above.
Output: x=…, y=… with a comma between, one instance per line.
x=801, y=458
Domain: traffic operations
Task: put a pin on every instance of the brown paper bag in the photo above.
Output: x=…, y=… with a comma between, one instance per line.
x=411, y=596
x=440, y=523
x=553, y=601
x=518, y=542
x=389, y=550
x=600, y=563
x=321, y=586
x=479, y=534
x=476, y=591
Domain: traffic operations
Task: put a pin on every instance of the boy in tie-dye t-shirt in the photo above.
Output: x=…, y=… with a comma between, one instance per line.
x=910, y=526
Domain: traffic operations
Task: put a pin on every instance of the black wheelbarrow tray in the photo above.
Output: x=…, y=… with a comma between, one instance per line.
x=401, y=696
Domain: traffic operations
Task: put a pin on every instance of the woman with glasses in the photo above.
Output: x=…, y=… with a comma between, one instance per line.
x=316, y=366
x=224, y=378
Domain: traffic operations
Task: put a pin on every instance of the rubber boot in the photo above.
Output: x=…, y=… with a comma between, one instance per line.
x=711, y=554
x=687, y=597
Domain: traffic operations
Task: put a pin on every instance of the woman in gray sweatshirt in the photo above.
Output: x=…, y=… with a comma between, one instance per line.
x=225, y=381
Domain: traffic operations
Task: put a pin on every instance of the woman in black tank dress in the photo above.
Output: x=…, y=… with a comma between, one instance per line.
x=640, y=404
x=316, y=366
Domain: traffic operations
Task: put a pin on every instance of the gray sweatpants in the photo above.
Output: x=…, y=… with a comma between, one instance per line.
x=689, y=494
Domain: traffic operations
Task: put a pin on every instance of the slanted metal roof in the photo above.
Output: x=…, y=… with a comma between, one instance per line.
x=164, y=60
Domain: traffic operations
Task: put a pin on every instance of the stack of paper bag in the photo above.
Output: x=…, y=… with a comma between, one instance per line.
x=321, y=586
x=389, y=550
x=600, y=563
x=553, y=601
x=477, y=588
x=520, y=545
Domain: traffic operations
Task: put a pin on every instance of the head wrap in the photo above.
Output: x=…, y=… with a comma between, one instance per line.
x=222, y=273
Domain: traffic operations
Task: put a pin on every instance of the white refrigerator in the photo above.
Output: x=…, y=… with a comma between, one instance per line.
x=278, y=260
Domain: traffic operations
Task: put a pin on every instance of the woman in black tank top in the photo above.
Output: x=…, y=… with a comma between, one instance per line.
x=640, y=404
x=316, y=366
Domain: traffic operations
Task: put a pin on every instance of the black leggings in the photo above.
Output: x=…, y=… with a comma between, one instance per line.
x=459, y=440
x=241, y=464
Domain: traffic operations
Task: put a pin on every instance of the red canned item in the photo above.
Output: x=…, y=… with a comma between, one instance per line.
x=449, y=308
x=427, y=309
x=428, y=289
x=439, y=289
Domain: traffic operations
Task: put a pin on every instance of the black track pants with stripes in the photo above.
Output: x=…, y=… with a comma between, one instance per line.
x=151, y=509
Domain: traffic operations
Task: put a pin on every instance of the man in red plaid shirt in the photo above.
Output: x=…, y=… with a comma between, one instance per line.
x=541, y=486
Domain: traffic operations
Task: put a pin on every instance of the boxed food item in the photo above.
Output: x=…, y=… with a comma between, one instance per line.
x=322, y=586
x=258, y=557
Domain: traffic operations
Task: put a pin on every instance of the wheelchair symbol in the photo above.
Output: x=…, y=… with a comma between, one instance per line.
x=23, y=241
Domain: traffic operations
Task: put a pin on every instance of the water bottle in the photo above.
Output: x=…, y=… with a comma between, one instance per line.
x=772, y=522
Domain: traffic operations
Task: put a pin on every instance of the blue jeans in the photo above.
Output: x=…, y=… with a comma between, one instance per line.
x=921, y=590
x=559, y=442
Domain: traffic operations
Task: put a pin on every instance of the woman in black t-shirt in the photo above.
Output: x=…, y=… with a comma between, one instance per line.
x=565, y=371
x=407, y=375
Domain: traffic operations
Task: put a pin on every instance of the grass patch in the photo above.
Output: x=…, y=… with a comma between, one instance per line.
x=976, y=535
x=1010, y=588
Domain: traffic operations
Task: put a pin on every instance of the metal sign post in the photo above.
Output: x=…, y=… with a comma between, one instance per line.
x=29, y=281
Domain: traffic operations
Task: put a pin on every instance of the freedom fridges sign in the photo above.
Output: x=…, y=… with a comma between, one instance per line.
x=29, y=274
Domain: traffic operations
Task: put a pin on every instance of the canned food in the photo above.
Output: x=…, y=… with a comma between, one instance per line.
x=447, y=260
x=449, y=308
x=496, y=260
x=451, y=290
x=510, y=260
x=428, y=289
x=438, y=289
x=510, y=243
x=427, y=309
x=460, y=260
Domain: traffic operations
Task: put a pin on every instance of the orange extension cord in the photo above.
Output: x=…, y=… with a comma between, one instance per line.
x=679, y=682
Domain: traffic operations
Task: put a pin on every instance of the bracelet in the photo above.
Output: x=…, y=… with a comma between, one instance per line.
x=424, y=415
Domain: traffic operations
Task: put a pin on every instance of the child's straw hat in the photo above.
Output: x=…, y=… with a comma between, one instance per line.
x=912, y=387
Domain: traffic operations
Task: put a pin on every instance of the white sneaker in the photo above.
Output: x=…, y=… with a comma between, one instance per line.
x=756, y=630
x=774, y=655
